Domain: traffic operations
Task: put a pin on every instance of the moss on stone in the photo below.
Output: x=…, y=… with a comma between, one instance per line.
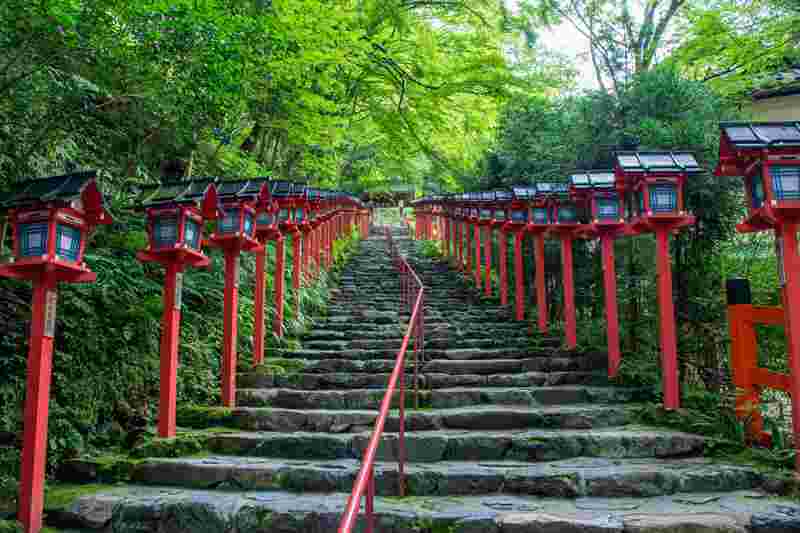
x=180, y=446
x=201, y=417
x=280, y=367
x=60, y=495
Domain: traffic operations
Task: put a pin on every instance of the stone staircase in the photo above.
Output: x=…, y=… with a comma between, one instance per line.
x=511, y=435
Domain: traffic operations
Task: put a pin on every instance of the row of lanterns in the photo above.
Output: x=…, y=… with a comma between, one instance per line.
x=52, y=218
x=642, y=193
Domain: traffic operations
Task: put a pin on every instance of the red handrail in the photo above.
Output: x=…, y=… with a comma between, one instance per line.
x=365, y=481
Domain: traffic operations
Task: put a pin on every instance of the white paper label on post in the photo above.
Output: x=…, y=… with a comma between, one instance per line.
x=178, y=300
x=51, y=299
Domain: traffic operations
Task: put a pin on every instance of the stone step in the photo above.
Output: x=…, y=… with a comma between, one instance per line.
x=532, y=445
x=507, y=366
x=572, y=478
x=372, y=379
x=474, y=418
x=170, y=510
x=466, y=356
x=437, y=398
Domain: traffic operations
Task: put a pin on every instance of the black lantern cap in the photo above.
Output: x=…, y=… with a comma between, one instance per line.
x=523, y=192
x=593, y=179
x=762, y=134
x=503, y=195
x=197, y=192
x=288, y=189
x=550, y=189
x=654, y=161
x=64, y=188
x=240, y=189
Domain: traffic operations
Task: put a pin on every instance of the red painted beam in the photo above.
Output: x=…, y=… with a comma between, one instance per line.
x=297, y=254
x=230, y=326
x=259, y=304
x=280, y=281
x=569, y=291
x=519, y=277
x=487, y=251
x=612, y=314
x=541, y=288
x=477, y=238
x=503, y=259
x=37, y=398
x=669, y=348
x=791, y=268
x=170, y=336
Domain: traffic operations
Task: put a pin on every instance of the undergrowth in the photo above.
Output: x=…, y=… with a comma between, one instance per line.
x=106, y=358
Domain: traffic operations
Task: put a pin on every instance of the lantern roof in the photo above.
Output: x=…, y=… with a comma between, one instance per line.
x=241, y=189
x=550, y=189
x=503, y=195
x=523, y=192
x=65, y=188
x=286, y=189
x=593, y=180
x=657, y=161
x=762, y=134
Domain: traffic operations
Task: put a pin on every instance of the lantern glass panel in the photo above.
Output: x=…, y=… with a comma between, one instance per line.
x=283, y=215
x=229, y=223
x=741, y=134
x=299, y=215
x=786, y=182
x=474, y=213
x=68, y=242
x=540, y=215
x=567, y=214
x=640, y=202
x=757, y=191
x=191, y=234
x=249, y=226
x=165, y=231
x=33, y=239
x=500, y=214
x=486, y=214
x=519, y=215
x=265, y=219
x=663, y=198
x=608, y=208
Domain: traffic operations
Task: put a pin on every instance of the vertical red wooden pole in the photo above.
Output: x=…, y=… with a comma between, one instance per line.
x=541, y=288
x=487, y=251
x=477, y=238
x=37, y=398
x=519, y=277
x=612, y=315
x=570, y=325
x=791, y=268
x=280, y=277
x=230, y=324
x=459, y=245
x=296, y=257
x=259, y=305
x=669, y=348
x=503, y=259
x=467, y=247
x=170, y=335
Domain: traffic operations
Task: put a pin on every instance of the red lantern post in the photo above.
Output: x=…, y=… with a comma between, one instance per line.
x=520, y=214
x=486, y=220
x=267, y=231
x=235, y=233
x=51, y=220
x=565, y=223
x=538, y=227
x=767, y=156
x=291, y=198
x=175, y=218
x=654, y=181
x=598, y=190
x=502, y=202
